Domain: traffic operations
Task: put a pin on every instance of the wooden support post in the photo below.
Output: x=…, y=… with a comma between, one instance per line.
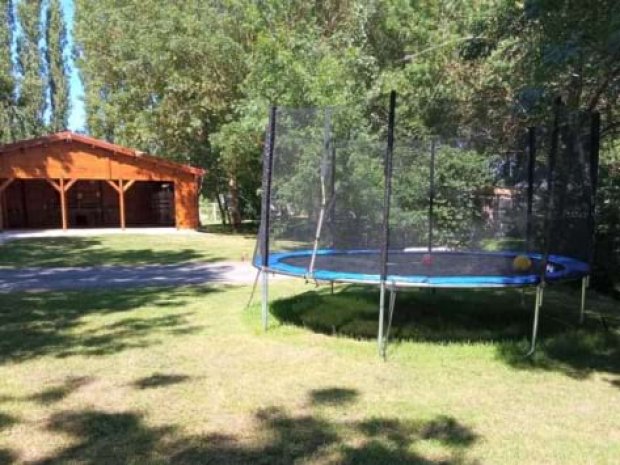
x=63, y=204
x=3, y=185
x=120, y=188
x=62, y=189
x=1, y=211
x=121, y=196
x=65, y=186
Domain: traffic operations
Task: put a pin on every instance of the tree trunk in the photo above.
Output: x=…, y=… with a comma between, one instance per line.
x=235, y=212
x=222, y=207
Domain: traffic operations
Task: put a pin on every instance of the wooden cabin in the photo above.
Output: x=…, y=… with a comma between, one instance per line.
x=67, y=180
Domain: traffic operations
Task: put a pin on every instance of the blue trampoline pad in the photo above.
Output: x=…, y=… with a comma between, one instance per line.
x=423, y=269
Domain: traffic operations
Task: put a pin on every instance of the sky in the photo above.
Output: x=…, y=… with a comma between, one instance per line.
x=77, y=117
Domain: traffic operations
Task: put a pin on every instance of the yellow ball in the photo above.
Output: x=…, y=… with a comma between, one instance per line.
x=522, y=263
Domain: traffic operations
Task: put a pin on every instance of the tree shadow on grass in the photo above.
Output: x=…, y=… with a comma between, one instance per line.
x=89, y=251
x=249, y=229
x=6, y=420
x=158, y=380
x=278, y=439
x=457, y=316
x=7, y=457
x=61, y=391
x=332, y=396
x=39, y=324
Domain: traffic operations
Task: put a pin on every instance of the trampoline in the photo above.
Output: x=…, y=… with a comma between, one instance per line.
x=341, y=204
x=440, y=269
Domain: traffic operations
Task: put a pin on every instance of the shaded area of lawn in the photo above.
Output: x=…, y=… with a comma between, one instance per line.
x=501, y=317
x=122, y=438
x=102, y=380
x=125, y=249
x=248, y=229
x=40, y=324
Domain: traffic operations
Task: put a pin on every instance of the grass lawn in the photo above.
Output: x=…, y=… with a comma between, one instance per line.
x=127, y=249
x=186, y=376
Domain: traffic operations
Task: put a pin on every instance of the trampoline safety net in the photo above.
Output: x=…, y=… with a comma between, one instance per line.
x=339, y=198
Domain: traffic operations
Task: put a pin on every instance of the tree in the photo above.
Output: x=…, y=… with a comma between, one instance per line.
x=57, y=72
x=31, y=94
x=7, y=80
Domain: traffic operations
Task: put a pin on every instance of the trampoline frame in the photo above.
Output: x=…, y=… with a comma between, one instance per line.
x=267, y=263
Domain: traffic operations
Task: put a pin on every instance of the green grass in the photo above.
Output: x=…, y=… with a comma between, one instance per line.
x=126, y=249
x=186, y=376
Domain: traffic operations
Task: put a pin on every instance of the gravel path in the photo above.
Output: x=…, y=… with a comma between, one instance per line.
x=52, y=279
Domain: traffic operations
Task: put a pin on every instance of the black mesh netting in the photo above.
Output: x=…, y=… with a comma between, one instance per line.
x=472, y=203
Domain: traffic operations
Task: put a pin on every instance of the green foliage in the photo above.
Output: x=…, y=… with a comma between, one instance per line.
x=31, y=91
x=34, y=87
x=194, y=82
x=7, y=81
x=57, y=76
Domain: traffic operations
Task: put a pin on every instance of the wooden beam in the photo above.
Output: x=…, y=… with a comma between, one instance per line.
x=128, y=185
x=121, y=198
x=70, y=184
x=63, y=204
x=54, y=184
x=113, y=185
x=6, y=183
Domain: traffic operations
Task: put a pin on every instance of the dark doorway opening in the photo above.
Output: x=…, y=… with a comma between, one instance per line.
x=92, y=204
x=35, y=204
x=150, y=203
x=32, y=203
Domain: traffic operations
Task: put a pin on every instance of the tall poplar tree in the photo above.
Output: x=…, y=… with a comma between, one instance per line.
x=32, y=86
x=56, y=66
x=7, y=80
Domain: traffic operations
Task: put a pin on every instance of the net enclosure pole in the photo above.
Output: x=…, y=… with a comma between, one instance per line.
x=266, y=212
x=385, y=243
x=549, y=203
x=431, y=196
x=595, y=134
x=531, y=164
x=550, y=200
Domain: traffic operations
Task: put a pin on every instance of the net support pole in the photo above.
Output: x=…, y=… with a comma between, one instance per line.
x=266, y=214
x=386, y=219
x=595, y=134
x=550, y=198
x=431, y=197
x=549, y=203
x=381, y=317
x=531, y=164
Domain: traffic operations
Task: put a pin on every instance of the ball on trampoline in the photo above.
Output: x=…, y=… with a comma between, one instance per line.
x=522, y=263
x=427, y=259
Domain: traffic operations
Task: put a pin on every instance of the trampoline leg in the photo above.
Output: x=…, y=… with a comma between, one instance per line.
x=538, y=303
x=256, y=278
x=389, y=325
x=582, y=308
x=381, y=318
x=265, y=300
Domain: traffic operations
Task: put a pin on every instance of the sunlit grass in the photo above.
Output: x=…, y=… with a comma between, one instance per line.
x=187, y=376
x=126, y=249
